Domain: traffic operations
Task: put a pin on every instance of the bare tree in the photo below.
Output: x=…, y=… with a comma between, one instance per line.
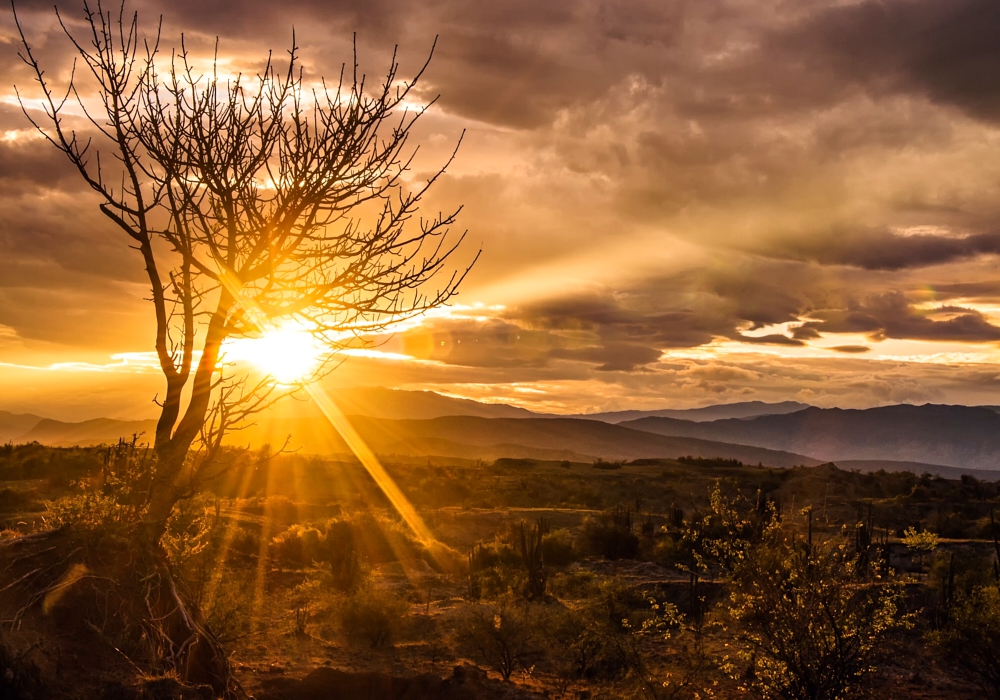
x=251, y=200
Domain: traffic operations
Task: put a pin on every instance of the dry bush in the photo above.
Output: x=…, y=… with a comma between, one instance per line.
x=229, y=614
x=558, y=548
x=970, y=642
x=297, y=546
x=20, y=677
x=373, y=615
x=504, y=634
x=610, y=535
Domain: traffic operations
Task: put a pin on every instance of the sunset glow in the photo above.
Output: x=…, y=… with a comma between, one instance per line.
x=288, y=353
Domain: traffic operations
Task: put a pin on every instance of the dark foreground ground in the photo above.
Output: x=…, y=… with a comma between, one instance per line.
x=318, y=589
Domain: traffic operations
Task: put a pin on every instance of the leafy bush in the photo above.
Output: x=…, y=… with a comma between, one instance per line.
x=558, y=548
x=808, y=629
x=970, y=641
x=373, y=615
x=299, y=545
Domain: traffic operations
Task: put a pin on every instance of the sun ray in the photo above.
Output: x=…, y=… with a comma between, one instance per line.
x=371, y=463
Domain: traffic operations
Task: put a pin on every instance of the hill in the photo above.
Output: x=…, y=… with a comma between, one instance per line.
x=965, y=437
x=398, y=404
x=89, y=432
x=14, y=425
x=743, y=409
x=525, y=437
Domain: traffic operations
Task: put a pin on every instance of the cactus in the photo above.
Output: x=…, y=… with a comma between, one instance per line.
x=531, y=557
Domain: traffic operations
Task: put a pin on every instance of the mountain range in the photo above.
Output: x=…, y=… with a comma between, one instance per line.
x=946, y=440
x=966, y=437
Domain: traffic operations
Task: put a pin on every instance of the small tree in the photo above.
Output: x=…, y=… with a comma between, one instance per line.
x=809, y=629
x=253, y=201
x=503, y=634
x=922, y=543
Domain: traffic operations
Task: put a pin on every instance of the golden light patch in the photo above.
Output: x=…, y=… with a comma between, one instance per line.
x=56, y=593
x=289, y=353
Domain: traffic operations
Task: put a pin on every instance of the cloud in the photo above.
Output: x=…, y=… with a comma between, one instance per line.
x=884, y=250
x=851, y=349
x=890, y=315
x=644, y=177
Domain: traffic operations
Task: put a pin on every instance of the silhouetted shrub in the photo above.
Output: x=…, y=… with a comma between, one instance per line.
x=21, y=678
x=558, y=548
x=298, y=546
x=504, y=634
x=610, y=535
x=970, y=641
x=373, y=615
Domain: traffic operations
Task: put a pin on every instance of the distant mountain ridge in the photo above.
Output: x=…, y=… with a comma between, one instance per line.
x=570, y=438
x=89, y=432
x=14, y=425
x=966, y=437
x=743, y=409
x=934, y=438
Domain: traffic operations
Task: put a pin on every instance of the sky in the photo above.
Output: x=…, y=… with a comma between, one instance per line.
x=678, y=203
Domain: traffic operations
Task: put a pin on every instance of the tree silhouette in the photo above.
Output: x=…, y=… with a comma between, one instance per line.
x=252, y=200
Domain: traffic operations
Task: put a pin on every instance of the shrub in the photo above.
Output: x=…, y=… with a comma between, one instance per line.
x=808, y=629
x=340, y=553
x=970, y=641
x=558, y=548
x=297, y=546
x=21, y=677
x=229, y=612
x=373, y=615
x=611, y=536
x=503, y=634
x=574, y=585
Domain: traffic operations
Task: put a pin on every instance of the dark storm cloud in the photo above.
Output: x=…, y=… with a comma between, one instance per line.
x=883, y=250
x=890, y=315
x=947, y=50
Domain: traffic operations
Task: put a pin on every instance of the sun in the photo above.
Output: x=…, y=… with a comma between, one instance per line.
x=288, y=353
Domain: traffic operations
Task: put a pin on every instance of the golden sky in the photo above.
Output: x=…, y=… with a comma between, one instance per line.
x=679, y=203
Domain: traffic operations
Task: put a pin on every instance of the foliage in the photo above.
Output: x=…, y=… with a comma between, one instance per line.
x=188, y=531
x=610, y=535
x=923, y=541
x=558, y=548
x=535, y=575
x=117, y=497
x=808, y=629
x=504, y=634
x=493, y=567
x=970, y=641
x=729, y=529
x=229, y=612
x=374, y=615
